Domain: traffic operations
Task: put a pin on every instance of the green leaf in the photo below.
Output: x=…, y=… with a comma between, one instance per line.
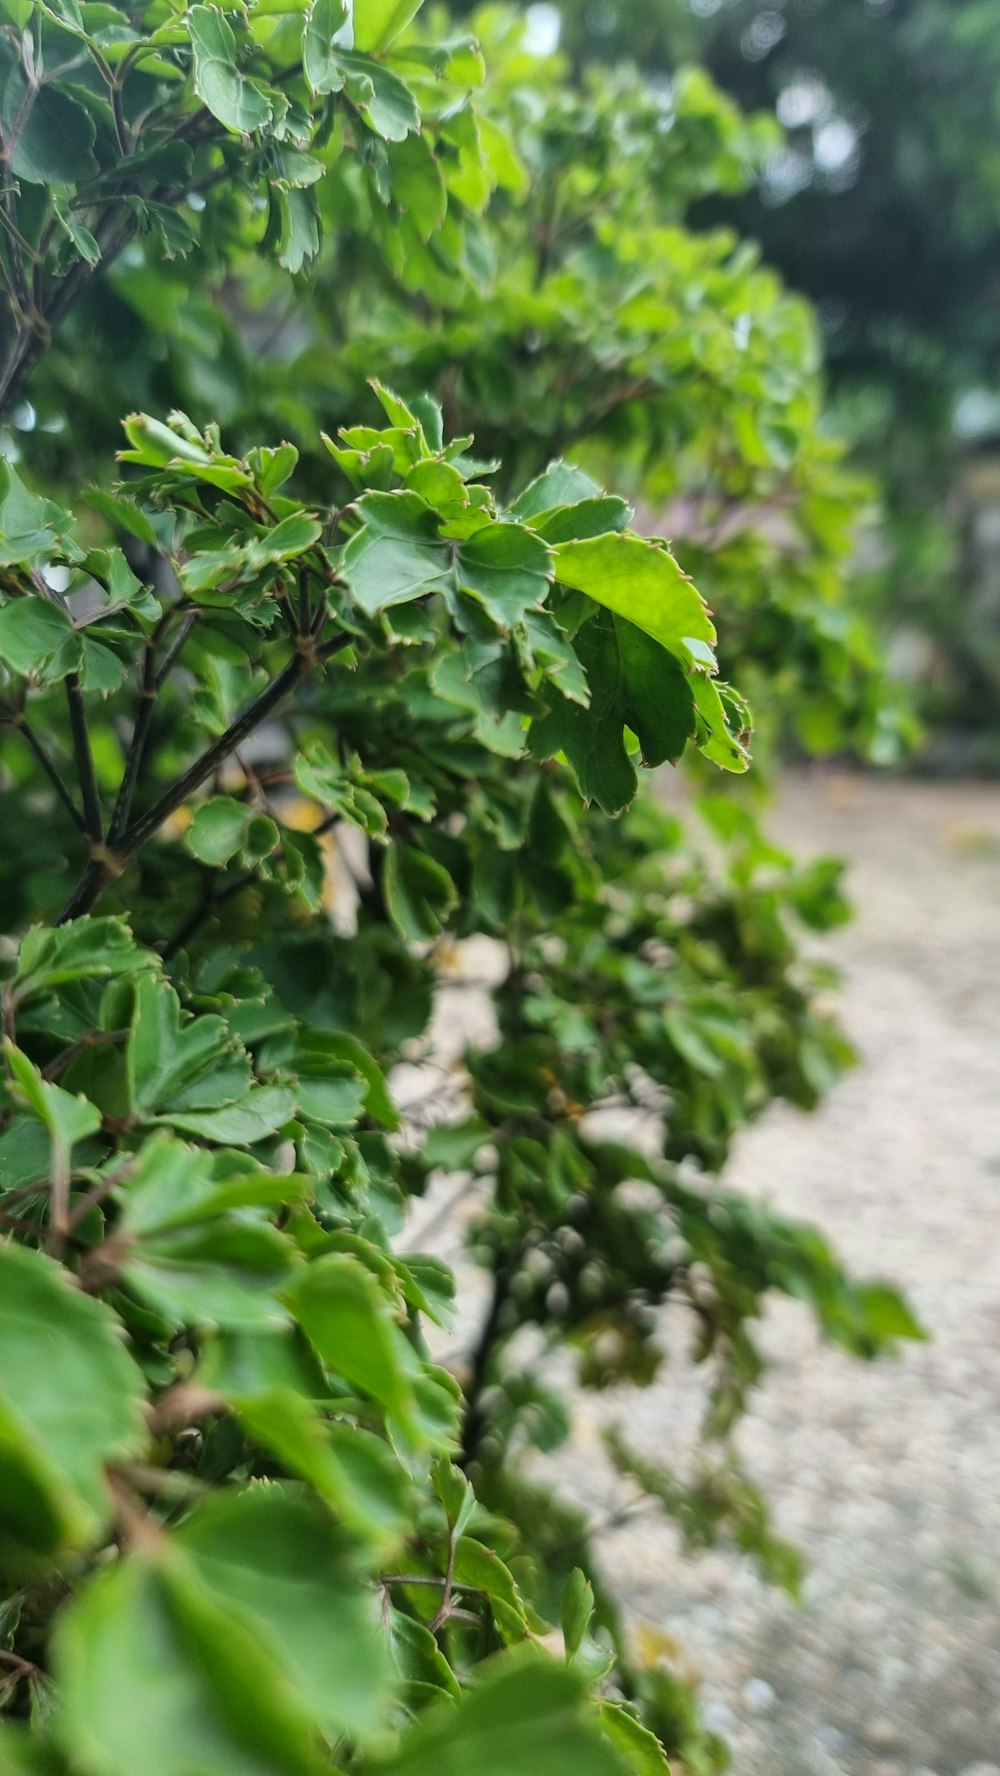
x=234, y=100
x=418, y=187
x=154, y=1676
x=271, y=1558
x=419, y=893
x=559, y=485
x=331, y=1099
x=31, y=529
x=456, y=1495
x=398, y=555
x=25, y=1153
x=246, y=1363
x=166, y=1055
x=887, y=1314
x=263, y=1111
x=320, y=59
x=227, y=1274
x=68, y=1118
x=640, y=580
x=56, y=135
x=321, y=1047
x=453, y=1146
x=640, y=1748
x=508, y=567
x=224, y=827
x=417, y=1656
x=633, y=684
x=723, y=724
x=216, y=832
x=172, y=1185
x=354, y=1471
x=428, y=1285
x=588, y=518
x=37, y=639
x=576, y=1610
x=71, y=1400
x=384, y=101
x=84, y=242
x=481, y=1567
x=293, y=536
x=377, y=22
x=349, y=1322
x=300, y=234
x=82, y=949
x=525, y=1714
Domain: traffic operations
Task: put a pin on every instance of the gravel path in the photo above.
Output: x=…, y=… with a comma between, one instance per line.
x=888, y=1475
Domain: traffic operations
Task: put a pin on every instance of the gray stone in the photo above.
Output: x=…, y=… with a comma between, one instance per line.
x=882, y=1735
x=758, y=1695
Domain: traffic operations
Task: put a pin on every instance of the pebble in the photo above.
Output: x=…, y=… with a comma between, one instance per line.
x=830, y=1739
x=758, y=1695
x=882, y=1735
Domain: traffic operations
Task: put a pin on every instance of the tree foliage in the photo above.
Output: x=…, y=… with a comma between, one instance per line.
x=284, y=723
x=879, y=202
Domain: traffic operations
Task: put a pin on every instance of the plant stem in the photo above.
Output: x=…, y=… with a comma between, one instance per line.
x=21, y=722
x=104, y=868
x=474, y=1422
x=153, y=678
x=90, y=1039
x=92, y=818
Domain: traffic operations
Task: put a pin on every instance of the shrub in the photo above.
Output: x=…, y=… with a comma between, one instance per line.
x=247, y=1523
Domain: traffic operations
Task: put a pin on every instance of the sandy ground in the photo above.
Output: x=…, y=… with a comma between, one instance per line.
x=889, y=1474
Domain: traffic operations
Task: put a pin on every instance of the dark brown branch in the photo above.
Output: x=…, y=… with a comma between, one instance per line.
x=92, y=818
x=305, y=613
x=475, y=1420
x=153, y=678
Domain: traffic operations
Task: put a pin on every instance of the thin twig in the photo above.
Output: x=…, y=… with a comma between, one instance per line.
x=23, y=1667
x=50, y=770
x=59, y=1181
x=152, y=678
x=121, y=127
x=93, y=824
x=305, y=612
x=96, y=1195
x=91, y=1039
x=474, y=1422
x=170, y=658
x=449, y=1578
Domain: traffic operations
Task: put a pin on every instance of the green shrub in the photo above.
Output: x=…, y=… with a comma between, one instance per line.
x=247, y=1524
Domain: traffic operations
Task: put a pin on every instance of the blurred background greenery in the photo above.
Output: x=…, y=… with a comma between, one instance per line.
x=882, y=204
